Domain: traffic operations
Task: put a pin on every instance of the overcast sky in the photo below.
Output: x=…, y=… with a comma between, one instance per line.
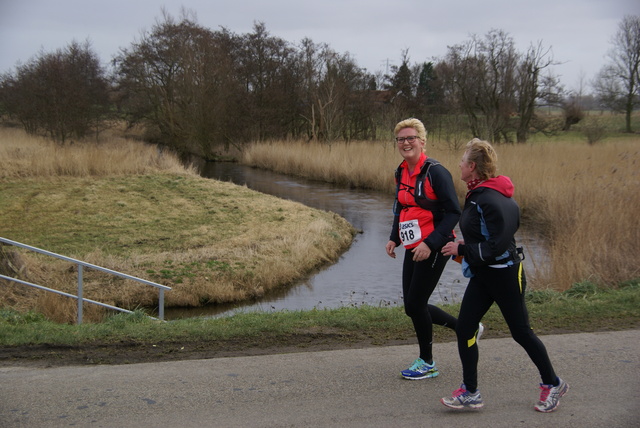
x=374, y=32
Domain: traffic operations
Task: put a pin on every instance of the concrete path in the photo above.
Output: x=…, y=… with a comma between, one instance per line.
x=346, y=388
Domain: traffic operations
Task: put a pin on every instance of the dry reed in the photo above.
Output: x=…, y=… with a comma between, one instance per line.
x=581, y=199
x=23, y=155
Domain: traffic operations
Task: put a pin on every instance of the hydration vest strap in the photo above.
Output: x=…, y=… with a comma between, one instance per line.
x=419, y=189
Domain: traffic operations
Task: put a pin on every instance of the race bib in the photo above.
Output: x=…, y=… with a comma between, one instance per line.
x=410, y=232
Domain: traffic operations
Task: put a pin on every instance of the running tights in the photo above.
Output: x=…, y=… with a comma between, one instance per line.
x=505, y=287
x=419, y=279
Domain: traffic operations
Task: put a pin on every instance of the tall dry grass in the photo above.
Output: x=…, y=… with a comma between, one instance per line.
x=23, y=155
x=584, y=200
x=353, y=164
x=581, y=199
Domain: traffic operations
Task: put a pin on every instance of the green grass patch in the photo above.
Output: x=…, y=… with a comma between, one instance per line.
x=118, y=215
x=581, y=309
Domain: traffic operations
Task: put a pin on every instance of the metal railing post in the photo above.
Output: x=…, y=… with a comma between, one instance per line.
x=161, y=304
x=79, y=294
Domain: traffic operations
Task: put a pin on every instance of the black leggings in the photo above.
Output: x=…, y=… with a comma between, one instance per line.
x=419, y=279
x=506, y=287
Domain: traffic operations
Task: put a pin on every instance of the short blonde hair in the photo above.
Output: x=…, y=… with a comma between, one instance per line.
x=484, y=156
x=412, y=123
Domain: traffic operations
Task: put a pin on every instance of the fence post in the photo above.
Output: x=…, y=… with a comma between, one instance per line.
x=79, y=293
x=161, y=305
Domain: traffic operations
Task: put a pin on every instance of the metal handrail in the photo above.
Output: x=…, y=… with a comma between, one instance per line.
x=161, y=288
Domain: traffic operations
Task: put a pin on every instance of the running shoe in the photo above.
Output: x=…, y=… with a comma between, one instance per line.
x=463, y=399
x=550, y=396
x=420, y=370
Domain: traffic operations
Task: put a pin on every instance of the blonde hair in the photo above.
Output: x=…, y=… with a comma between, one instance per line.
x=412, y=123
x=484, y=156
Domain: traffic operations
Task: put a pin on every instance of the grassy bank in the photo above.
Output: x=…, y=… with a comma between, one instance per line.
x=581, y=199
x=31, y=339
x=131, y=208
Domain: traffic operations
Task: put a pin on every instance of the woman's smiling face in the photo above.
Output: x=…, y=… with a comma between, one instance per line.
x=409, y=144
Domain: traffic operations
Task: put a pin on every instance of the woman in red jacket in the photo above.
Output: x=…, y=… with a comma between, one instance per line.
x=426, y=211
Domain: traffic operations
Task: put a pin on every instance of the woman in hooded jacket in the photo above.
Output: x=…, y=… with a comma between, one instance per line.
x=489, y=221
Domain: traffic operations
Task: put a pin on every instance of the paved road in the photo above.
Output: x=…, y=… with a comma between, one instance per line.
x=346, y=388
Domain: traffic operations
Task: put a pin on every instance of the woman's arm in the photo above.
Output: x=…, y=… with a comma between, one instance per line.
x=442, y=185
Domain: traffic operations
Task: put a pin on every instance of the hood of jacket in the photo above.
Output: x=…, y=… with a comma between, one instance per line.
x=501, y=183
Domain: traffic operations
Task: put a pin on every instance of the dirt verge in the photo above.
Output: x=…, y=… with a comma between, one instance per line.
x=134, y=352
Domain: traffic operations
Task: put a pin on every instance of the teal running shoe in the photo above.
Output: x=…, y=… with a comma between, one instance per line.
x=420, y=370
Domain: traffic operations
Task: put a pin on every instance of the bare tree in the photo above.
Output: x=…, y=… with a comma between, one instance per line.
x=483, y=72
x=178, y=80
x=573, y=104
x=528, y=87
x=310, y=63
x=572, y=112
x=497, y=87
x=334, y=94
x=62, y=94
x=267, y=69
x=618, y=83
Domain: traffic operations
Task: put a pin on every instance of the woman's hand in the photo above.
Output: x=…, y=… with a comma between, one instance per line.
x=451, y=248
x=390, y=248
x=421, y=252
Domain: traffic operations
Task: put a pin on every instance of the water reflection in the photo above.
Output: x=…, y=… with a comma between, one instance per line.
x=363, y=275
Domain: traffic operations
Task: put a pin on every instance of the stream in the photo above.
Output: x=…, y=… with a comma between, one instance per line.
x=363, y=275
